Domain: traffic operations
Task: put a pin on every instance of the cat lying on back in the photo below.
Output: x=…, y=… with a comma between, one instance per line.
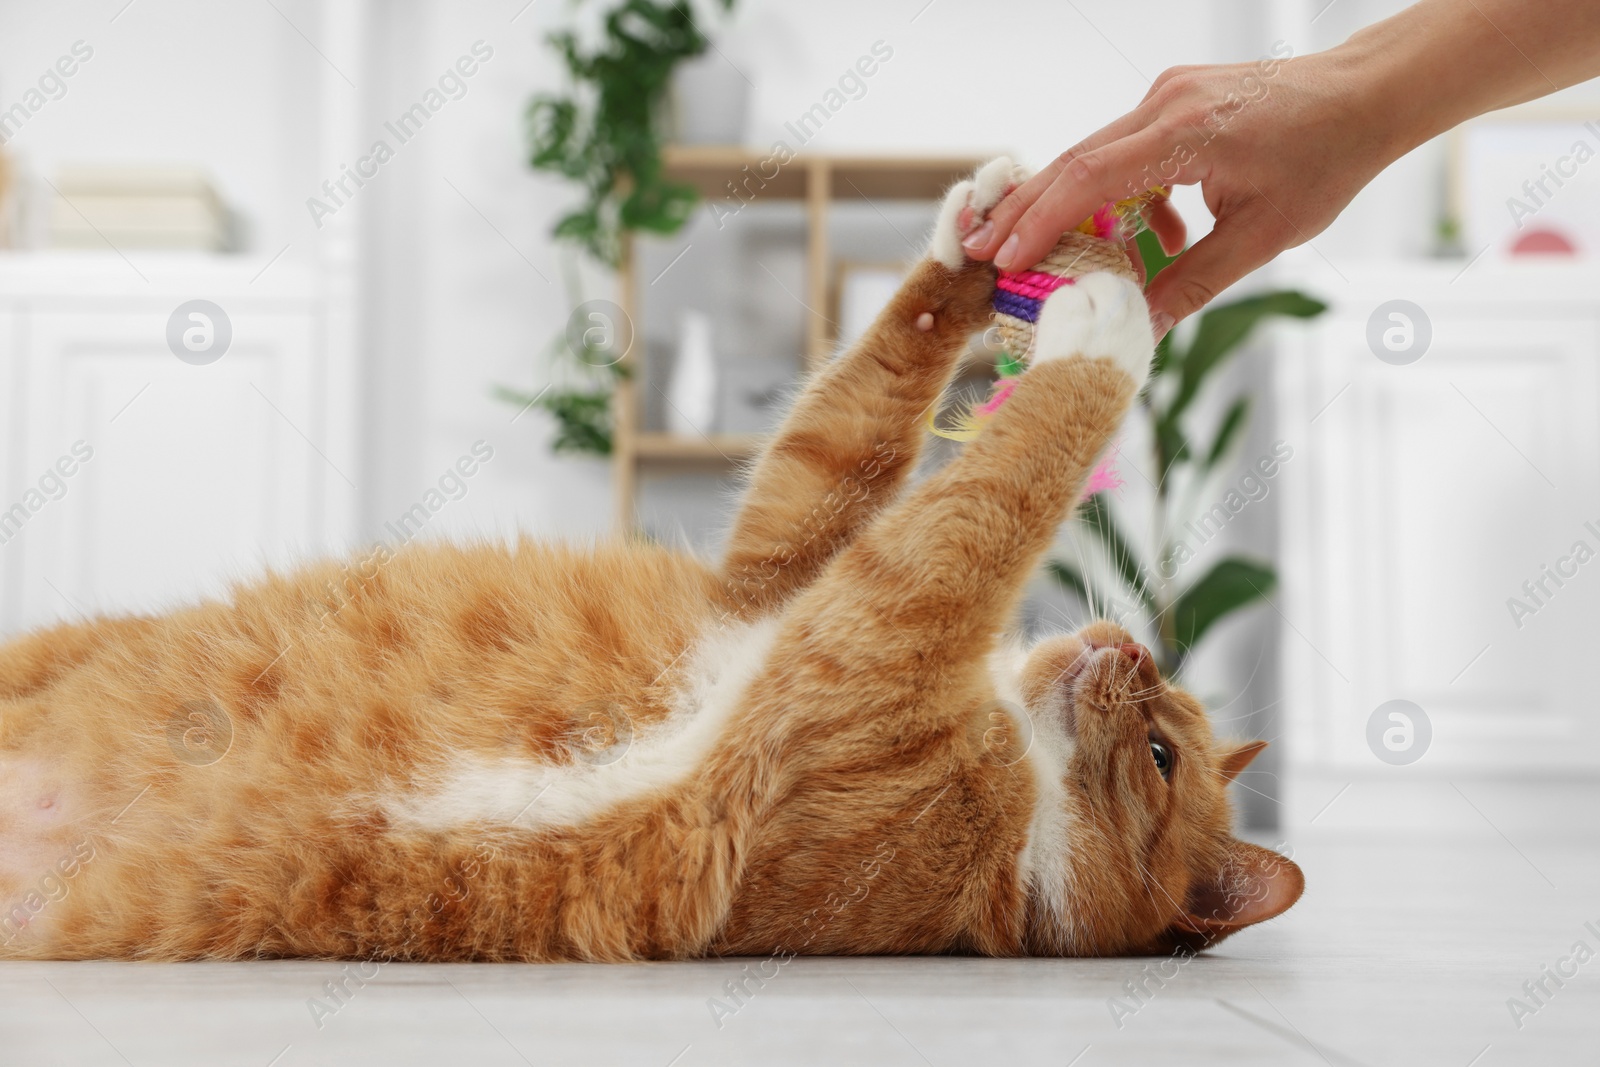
x=821, y=745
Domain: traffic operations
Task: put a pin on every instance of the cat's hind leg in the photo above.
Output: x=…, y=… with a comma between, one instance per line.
x=844, y=451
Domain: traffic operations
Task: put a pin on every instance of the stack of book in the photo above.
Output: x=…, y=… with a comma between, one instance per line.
x=137, y=207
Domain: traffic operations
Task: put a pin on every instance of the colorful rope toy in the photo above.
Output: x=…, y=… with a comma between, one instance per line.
x=1018, y=294
x=1093, y=245
x=1096, y=245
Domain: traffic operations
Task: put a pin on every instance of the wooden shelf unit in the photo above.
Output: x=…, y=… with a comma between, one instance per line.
x=718, y=447
x=817, y=181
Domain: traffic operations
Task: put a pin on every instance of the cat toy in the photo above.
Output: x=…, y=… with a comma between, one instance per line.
x=1095, y=245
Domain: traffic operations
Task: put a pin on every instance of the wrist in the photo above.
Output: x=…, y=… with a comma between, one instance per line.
x=1381, y=78
x=1413, y=78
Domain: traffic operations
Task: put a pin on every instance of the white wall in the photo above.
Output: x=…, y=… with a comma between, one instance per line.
x=464, y=285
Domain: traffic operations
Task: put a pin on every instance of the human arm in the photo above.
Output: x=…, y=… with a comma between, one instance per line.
x=1280, y=147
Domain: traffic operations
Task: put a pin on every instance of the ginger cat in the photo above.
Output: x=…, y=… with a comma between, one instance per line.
x=821, y=745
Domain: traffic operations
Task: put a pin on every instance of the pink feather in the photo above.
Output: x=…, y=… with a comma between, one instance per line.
x=1104, y=476
x=1002, y=392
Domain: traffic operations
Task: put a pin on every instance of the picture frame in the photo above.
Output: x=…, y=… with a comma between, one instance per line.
x=1526, y=181
x=861, y=290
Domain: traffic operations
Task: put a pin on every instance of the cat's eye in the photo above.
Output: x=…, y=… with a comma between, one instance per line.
x=1163, y=757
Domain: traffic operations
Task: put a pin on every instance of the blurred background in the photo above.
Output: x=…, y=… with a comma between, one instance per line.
x=282, y=278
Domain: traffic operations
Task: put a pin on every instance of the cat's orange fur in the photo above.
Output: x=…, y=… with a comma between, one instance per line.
x=865, y=792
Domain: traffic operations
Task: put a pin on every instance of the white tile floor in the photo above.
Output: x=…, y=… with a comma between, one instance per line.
x=1400, y=953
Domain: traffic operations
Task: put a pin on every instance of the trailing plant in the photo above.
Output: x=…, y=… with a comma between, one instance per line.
x=1178, y=615
x=605, y=133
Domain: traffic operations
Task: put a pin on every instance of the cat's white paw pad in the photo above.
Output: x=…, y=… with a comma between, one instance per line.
x=968, y=204
x=1099, y=316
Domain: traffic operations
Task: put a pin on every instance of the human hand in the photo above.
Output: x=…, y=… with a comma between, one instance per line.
x=1278, y=148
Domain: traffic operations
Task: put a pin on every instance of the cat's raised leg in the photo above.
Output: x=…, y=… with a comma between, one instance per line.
x=939, y=575
x=844, y=451
x=875, y=706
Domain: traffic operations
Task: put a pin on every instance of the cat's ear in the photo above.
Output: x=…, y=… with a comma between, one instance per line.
x=1238, y=758
x=1253, y=884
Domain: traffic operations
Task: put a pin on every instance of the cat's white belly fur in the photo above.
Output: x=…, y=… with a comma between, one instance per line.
x=519, y=793
x=474, y=789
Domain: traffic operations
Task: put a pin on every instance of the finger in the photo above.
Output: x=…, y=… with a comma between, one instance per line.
x=1239, y=244
x=1165, y=76
x=1130, y=245
x=1084, y=184
x=1165, y=222
x=1020, y=199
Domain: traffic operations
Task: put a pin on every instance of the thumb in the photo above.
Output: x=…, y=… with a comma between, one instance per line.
x=1239, y=243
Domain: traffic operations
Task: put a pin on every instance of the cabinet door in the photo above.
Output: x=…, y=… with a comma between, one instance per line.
x=1424, y=497
x=13, y=410
x=182, y=478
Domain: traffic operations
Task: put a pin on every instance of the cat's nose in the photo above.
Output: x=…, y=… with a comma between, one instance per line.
x=1134, y=651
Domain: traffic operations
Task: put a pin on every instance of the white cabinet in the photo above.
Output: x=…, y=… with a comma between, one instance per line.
x=1421, y=498
x=134, y=480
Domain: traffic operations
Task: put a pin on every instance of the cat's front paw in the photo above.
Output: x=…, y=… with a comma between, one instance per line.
x=967, y=205
x=1099, y=316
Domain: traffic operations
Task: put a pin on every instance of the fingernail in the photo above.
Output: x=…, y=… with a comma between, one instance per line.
x=1160, y=323
x=979, y=237
x=1007, y=253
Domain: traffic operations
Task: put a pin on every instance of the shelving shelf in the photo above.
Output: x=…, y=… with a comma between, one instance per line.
x=816, y=180
x=721, y=447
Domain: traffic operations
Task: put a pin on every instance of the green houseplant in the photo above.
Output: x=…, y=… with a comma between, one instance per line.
x=604, y=133
x=1177, y=611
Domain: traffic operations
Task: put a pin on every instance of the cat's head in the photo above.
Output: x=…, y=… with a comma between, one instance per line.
x=1151, y=861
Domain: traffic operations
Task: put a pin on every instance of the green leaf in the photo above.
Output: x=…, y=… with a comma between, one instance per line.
x=583, y=419
x=661, y=207
x=578, y=226
x=605, y=133
x=1072, y=578
x=1223, y=329
x=551, y=122
x=1230, y=585
x=1172, y=447
x=1165, y=359
x=1155, y=260
x=1096, y=514
x=1232, y=423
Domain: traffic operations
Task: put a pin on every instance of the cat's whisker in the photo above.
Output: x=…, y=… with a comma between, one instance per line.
x=1150, y=879
x=1244, y=688
x=1247, y=715
x=1257, y=792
